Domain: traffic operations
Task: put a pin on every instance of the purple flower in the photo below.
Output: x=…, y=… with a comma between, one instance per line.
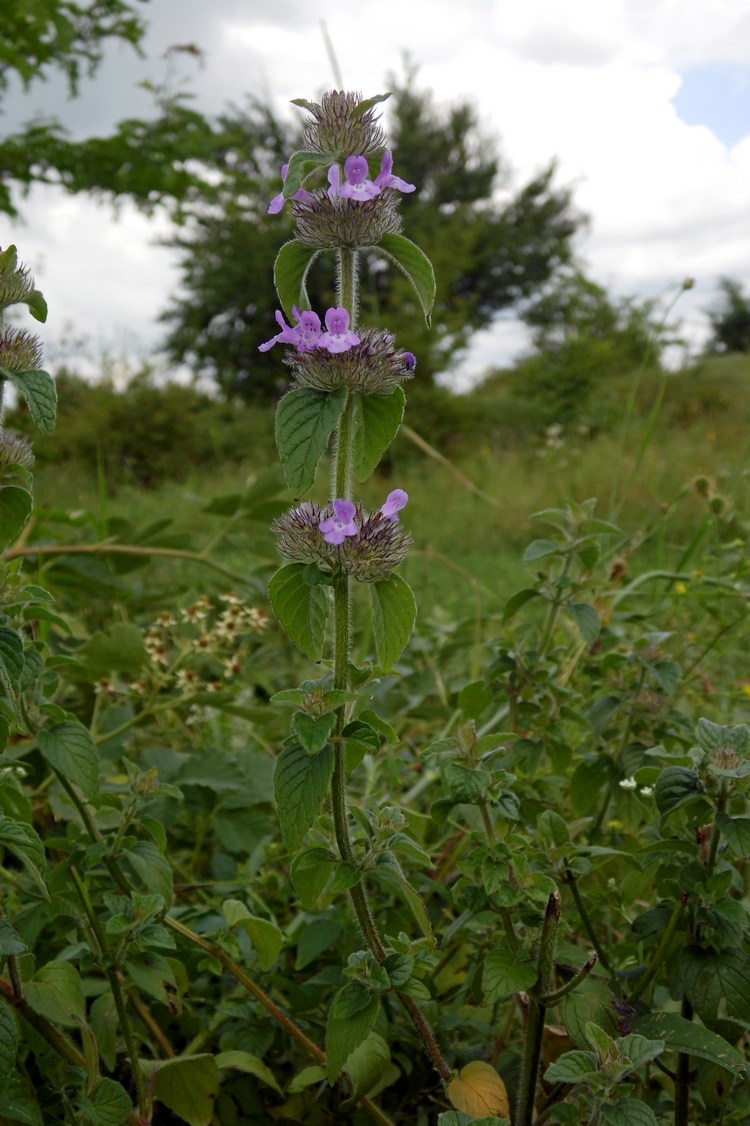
x=278, y=201
x=304, y=335
x=384, y=179
x=358, y=186
x=410, y=361
x=337, y=527
x=339, y=337
x=393, y=502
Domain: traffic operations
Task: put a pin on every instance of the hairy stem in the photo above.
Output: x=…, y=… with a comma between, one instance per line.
x=537, y=1011
x=44, y=1027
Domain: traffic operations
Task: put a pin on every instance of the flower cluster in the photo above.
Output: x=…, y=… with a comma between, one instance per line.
x=358, y=186
x=372, y=366
x=342, y=539
x=307, y=334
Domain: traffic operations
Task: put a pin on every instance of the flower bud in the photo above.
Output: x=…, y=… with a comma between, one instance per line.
x=20, y=350
x=15, y=282
x=336, y=130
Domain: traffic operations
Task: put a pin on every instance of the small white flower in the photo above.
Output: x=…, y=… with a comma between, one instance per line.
x=646, y=791
x=628, y=784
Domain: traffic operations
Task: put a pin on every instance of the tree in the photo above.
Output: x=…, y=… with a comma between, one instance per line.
x=488, y=256
x=730, y=322
x=148, y=161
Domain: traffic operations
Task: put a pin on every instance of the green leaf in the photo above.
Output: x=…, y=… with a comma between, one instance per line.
x=301, y=609
x=305, y=419
x=111, y=1103
x=104, y=1025
x=153, y=974
x=736, y=832
x=252, y=1065
x=417, y=267
x=11, y=658
x=23, y=841
x=300, y=783
x=152, y=868
x=716, y=982
x=540, y=549
x=16, y=504
x=310, y=872
x=627, y=1112
x=368, y=103
x=517, y=602
x=675, y=785
x=290, y=272
x=313, y=732
x=188, y=1086
x=120, y=649
x=388, y=871
x=266, y=938
x=68, y=748
x=586, y=618
x=8, y=1045
x=351, y=1016
x=573, y=1067
x=38, y=389
x=458, y=1118
x=300, y=163
x=589, y=1001
x=306, y=1078
x=37, y=305
x=56, y=993
x=682, y=1035
x=394, y=612
x=638, y=1049
x=18, y=1106
x=10, y=941
x=368, y=1063
x=376, y=422
x=505, y=974
x=319, y=935
x=667, y=675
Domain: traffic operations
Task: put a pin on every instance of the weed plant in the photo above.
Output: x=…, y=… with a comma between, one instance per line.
x=268, y=868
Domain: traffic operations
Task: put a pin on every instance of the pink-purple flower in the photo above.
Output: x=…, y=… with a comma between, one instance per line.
x=278, y=201
x=337, y=527
x=394, y=502
x=358, y=186
x=339, y=337
x=305, y=335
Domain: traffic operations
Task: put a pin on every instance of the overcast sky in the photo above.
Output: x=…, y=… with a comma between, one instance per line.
x=644, y=103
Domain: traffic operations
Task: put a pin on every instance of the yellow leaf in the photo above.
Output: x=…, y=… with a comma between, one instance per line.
x=478, y=1091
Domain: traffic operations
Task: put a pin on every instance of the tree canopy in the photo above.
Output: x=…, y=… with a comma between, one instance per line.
x=730, y=320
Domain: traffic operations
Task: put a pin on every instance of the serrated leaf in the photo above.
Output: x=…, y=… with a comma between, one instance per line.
x=736, y=832
x=716, y=982
x=188, y=1086
x=627, y=1112
x=290, y=272
x=586, y=618
x=23, y=841
x=573, y=1067
x=682, y=1035
x=301, y=609
x=351, y=1016
x=394, y=612
x=8, y=1045
x=252, y=1065
x=111, y=1103
x=639, y=1049
x=39, y=391
x=18, y=1106
x=388, y=871
x=310, y=873
x=376, y=422
x=478, y=1090
x=313, y=732
x=11, y=658
x=152, y=868
x=675, y=785
x=417, y=267
x=505, y=974
x=16, y=504
x=56, y=993
x=305, y=419
x=68, y=748
x=153, y=974
x=589, y=1001
x=300, y=783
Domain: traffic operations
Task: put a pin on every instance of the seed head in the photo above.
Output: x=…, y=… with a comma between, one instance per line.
x=326, y=224
x=16, y=284
x=20, y=350
x=374, y=366
x=15, y=451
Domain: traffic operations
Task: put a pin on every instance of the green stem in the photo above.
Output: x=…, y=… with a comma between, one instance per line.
x=347, y=283
x=554, y=608
x=583, y=914
x=682, y=1078
x=44, y=1027
x=537, y=1012
x=100, y=944
x=555, y=998
x=661, y=950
